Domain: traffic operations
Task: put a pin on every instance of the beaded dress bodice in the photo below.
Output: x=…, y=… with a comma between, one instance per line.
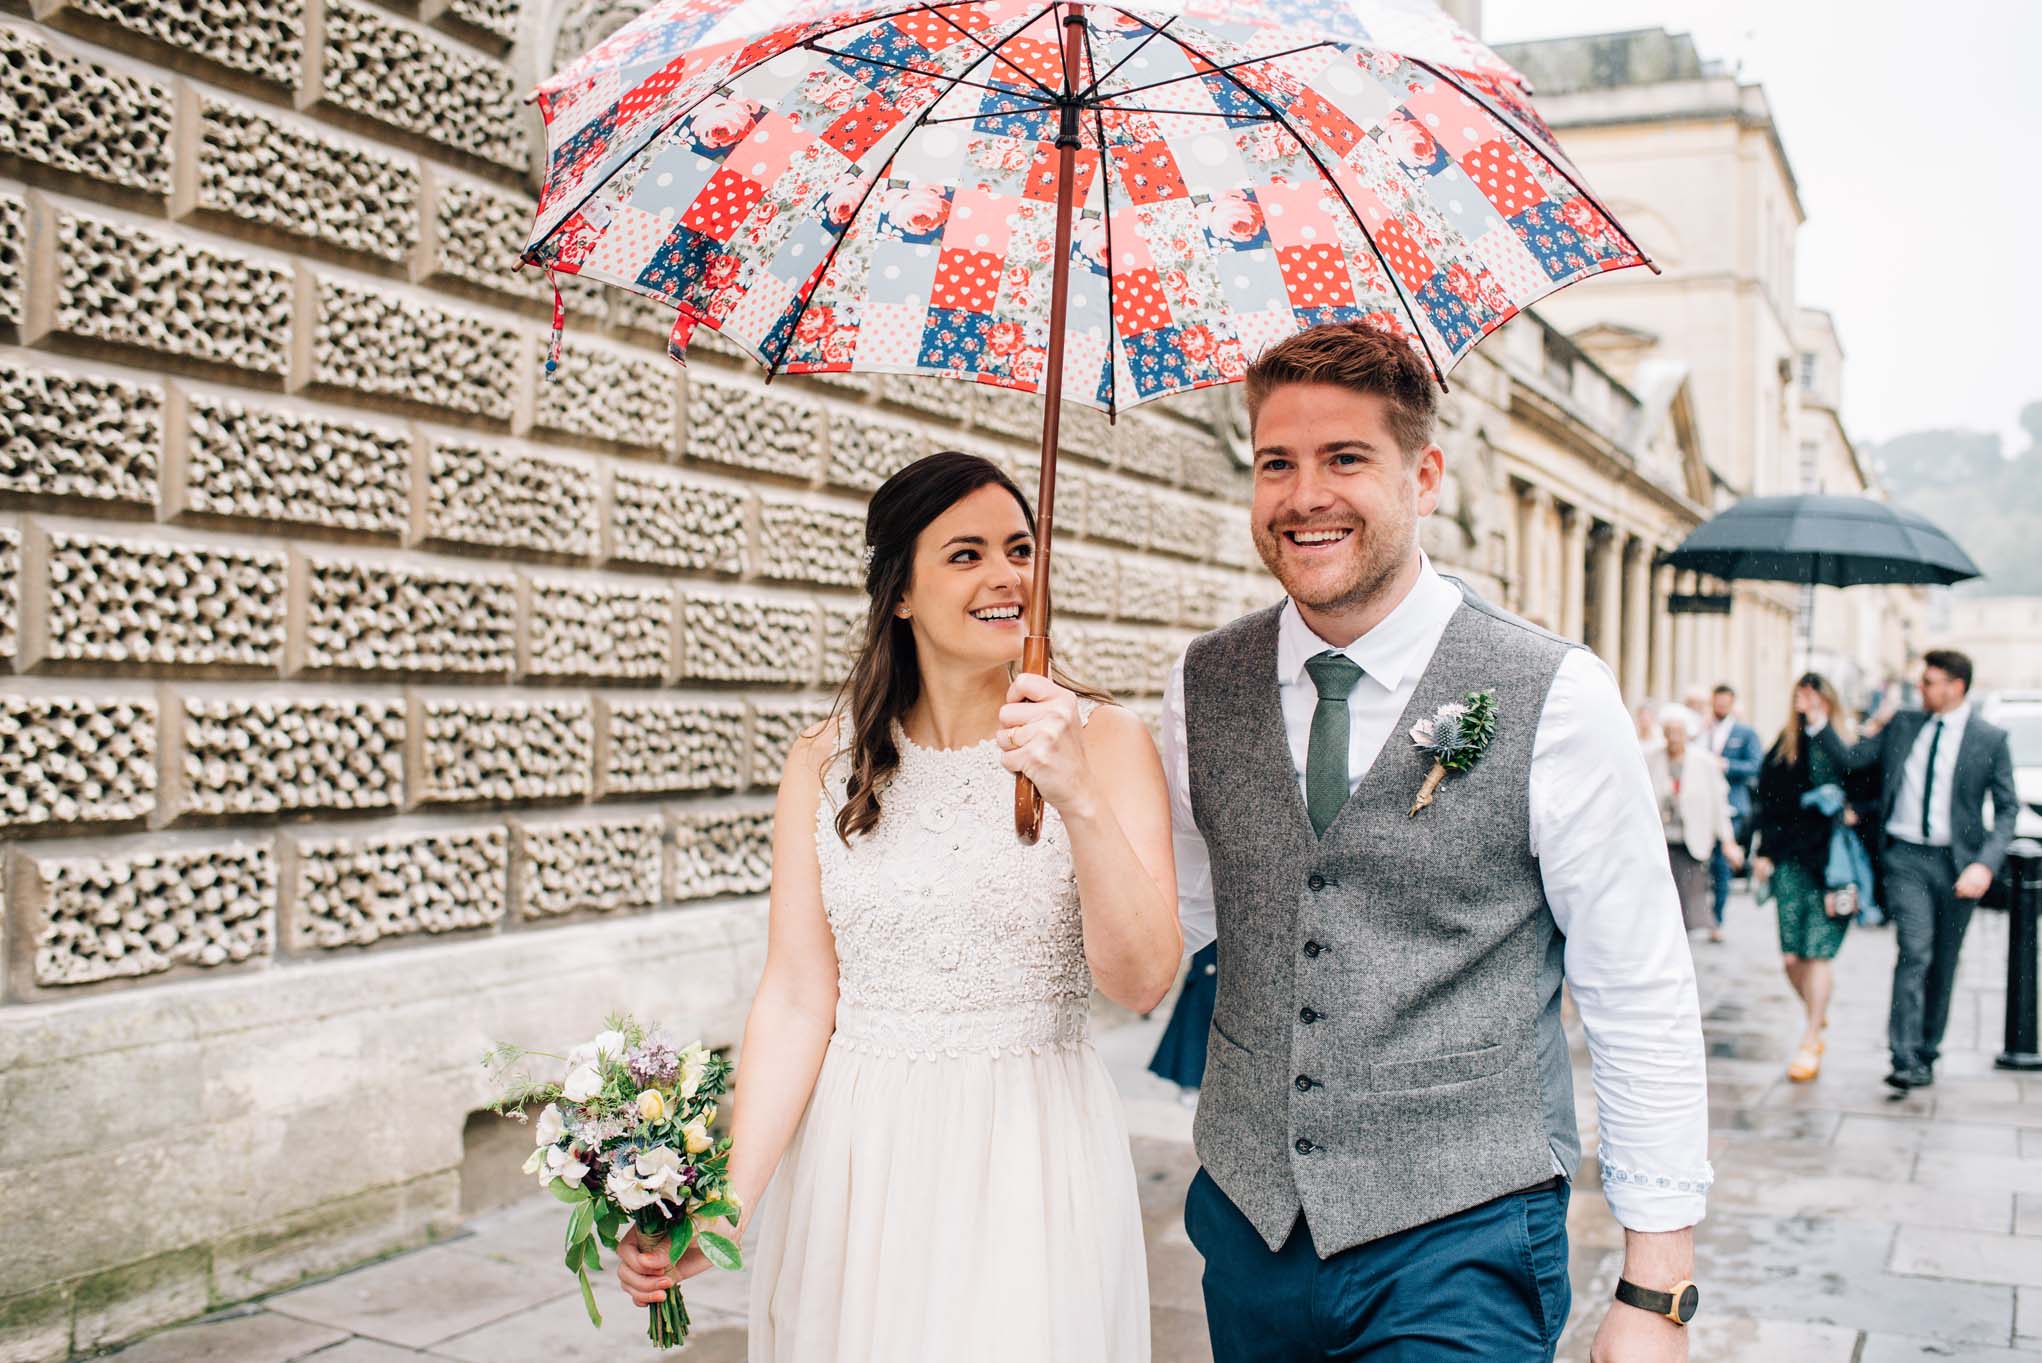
x=953, y=937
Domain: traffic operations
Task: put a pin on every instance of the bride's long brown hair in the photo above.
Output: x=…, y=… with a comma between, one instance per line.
x=885, y=681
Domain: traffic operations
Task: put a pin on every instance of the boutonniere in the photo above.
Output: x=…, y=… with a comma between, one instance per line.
x=1456, y=736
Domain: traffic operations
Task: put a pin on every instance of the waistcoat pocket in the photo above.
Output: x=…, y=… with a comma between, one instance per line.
x=1433, y=1071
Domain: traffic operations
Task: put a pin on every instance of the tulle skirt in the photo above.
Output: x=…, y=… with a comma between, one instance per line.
x=977, y=1208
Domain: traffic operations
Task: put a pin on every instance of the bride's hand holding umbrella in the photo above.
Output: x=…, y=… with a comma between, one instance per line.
x=1042, y=737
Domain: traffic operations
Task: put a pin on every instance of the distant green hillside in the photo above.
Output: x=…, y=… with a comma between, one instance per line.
x=1963, y=481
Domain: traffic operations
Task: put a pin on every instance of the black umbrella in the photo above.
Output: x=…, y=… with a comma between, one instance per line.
x=1824, y=540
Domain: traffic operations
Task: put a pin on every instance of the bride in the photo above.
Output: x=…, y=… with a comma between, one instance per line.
x=950, y=1176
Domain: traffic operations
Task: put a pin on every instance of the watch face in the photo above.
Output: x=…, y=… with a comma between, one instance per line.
x=1690, y=1298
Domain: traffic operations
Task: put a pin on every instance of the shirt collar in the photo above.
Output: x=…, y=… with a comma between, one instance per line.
x=1953, y=719
x=1401, y=641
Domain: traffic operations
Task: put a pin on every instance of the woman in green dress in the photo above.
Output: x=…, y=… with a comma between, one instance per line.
x=1791, y=849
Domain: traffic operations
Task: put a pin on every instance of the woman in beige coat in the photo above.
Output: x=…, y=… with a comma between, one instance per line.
x=1694, y=807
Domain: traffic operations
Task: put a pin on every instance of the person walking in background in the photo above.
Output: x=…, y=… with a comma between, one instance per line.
x=1938, y=767
x=1795, y=824
x=1735, y=745
x=1694, y=809
x=1180, y=1054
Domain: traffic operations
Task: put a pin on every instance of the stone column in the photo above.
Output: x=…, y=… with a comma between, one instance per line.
x=1573, y=614
x=1533, y=507
x=1660, y=674
x=1608, y=548
x=1637, y=593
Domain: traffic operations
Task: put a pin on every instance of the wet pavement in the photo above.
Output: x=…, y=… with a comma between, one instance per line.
x=1845, y=1226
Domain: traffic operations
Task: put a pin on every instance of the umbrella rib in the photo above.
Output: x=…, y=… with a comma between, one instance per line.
x=1106, y=216
x=1187, y=113
x=933, y=75
x=1416, y=326
x=1089, y=92
x=937, y=10
x=1214, y=69
x=794, y=325
x=1557, y=163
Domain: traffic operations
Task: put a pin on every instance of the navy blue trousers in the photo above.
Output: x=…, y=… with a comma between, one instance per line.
x=1489, y=1283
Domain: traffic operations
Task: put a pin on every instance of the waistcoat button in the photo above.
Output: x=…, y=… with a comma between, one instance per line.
x=1316, y=883
x=1304, y=1084
x=1306, y=1015
x=1305, y=1147
x=1313, y=949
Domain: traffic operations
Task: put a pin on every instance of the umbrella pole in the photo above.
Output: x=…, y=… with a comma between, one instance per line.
x=1035, y=648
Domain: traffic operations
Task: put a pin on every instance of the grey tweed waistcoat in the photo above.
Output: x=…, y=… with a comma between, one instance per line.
x=1386, y=1047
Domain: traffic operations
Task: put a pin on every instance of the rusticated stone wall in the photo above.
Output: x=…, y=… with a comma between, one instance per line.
x=364, y=698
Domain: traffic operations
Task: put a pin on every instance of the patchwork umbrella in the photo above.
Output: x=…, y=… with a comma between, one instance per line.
x=1102, y=201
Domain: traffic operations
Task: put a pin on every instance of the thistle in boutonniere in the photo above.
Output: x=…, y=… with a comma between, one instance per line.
x=1456, y=736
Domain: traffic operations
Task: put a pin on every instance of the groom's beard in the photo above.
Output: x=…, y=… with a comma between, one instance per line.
x=1379, y=555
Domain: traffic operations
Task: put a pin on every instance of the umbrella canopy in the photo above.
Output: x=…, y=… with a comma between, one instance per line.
x=1825, y=540
x=1121, y=201
x=873, y=188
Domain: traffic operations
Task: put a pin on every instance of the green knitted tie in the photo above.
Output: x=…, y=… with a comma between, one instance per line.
x=1326, y=754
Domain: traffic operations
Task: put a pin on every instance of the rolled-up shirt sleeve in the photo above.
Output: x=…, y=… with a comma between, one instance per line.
x=1194, y=864
x=1602, y=856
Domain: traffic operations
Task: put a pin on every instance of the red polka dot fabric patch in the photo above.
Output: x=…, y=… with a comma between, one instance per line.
x=1315, y=276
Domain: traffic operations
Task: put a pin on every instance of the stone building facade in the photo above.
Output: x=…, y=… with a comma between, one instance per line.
x=365, y=699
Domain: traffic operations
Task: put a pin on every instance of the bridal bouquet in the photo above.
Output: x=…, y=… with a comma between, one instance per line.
x=623, y=1139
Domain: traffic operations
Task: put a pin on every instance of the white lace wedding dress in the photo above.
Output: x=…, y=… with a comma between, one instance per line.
x=960, y=1189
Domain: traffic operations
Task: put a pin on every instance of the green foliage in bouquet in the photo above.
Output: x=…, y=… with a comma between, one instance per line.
x=623, y=1138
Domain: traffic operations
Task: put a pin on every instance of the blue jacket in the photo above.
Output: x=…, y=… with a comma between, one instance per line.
x=1742, y=758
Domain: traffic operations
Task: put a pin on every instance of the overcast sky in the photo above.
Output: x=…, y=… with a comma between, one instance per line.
x=1915, y=131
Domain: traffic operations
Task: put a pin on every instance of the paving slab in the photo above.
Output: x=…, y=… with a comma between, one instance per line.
x=417, y=1300
x=1904, y=1349
x=247, y=1336
x=1968, y=1256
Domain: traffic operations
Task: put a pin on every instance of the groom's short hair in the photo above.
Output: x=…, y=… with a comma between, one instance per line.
x=1361, y=359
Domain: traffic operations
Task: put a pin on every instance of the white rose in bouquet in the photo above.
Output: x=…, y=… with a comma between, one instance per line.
x=694, y=1064
x=583, y=1083
x=561, y=1164
x=626, y=1191
x=551, y=1126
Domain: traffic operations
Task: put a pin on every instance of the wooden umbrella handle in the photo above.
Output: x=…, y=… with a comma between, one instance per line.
x=1027, y=799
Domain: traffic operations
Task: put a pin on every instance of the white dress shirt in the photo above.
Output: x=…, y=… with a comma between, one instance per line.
x=1602, y=858
x=1905, y=823
x=1719, y=734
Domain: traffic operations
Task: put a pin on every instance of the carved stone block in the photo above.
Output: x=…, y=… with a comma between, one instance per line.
x=260, y=38
x=363, y=617
x=477, y=235
x=13, y=250
x=271, y=756
x=1003, y=411
x=1080, y=430
x=1206, y=599
x=285, y=177
x=144, y=913
x=600, y=865
x=1153, y=446
x=843, y=633
x=71, y=114
x=1117, y=509
x=735, y=639
x=398, y=347
x=118, y=600
x=1187, y=525
x=627, y=399
x=255, y=463
x=726, y=852
x=774, y=729
x=1234, y=546
x=657, y=746
x=355, y=891
x=1148, y=590
x=745, y=427
x=585, y=629
x=403, y=77
x=72, y=435
x=1082, y=581
x=1208, y=468
x=865, y=452
x=510, y=499
x=10, y=592
x=472, y=750
x=944, y=398
x=134, y=287
x=76, y=759
x=670, y=520
x=814, y=544
x=1122, y=662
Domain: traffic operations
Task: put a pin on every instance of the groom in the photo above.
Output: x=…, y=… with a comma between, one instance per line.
x=1387, y=1126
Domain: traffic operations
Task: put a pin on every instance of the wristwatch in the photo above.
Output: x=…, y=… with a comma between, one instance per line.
x=1677, y=1306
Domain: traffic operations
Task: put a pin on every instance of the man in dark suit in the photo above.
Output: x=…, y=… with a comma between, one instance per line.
x=1736, y=746
x=1938, y=766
